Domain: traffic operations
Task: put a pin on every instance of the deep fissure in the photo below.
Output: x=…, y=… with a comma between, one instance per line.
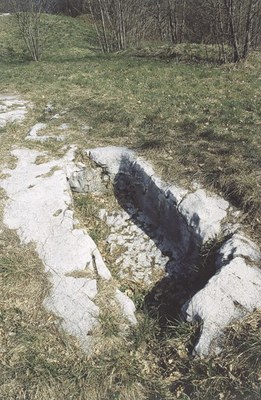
x=190, y=264
x=182, y=246
x=163, y=237
x=186, y=273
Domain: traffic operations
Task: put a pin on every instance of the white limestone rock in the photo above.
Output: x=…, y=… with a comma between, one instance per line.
x=38, y=200
x=39, y=196
x=138, y=255
x=88, y=180
x=55, y=116
x=86, y=128
x=71, y=300
x=64, y=127
x=127, y=306
x=237, y=246
x=110, y=158
x=204, y=213
x=39, y=209
x=49, y=108
x=33, y=134
x=229, y=295
x=12, y=110
x=36, y=128
x=187, y=220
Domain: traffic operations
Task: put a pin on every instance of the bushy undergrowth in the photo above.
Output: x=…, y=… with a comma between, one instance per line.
x=195, y=121
x=185, y=52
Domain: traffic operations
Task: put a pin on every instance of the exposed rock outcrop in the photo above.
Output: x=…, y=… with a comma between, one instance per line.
x=12, y=109
x=176, y=222
x=40, y=210
x=187, y=221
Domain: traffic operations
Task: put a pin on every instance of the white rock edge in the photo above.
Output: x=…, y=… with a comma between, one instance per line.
x=33, y=134
x=39, y=209
x=235, y=289
x=12, y=109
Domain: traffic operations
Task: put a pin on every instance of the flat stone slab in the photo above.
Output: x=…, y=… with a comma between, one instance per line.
x=39, y=208
x=12, y=110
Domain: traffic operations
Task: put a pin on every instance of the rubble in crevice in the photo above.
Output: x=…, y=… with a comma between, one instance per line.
x=158, y=233
x=179, y=226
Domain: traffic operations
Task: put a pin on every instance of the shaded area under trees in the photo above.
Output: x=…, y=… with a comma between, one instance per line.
x=123, y=23
x=120, y=24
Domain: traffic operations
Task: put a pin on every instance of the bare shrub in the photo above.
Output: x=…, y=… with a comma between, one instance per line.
x=29, y=17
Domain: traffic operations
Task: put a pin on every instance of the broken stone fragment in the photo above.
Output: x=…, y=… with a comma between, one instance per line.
x=87, y=180
x=229, y=295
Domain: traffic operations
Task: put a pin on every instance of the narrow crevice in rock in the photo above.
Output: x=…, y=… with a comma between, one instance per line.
x=205, y=269
x=190, y=263
x=162, y=238
x=149, y=209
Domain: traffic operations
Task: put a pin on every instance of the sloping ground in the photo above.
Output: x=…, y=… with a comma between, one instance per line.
x=39, y=207
x=88, y=101
x=195, y=121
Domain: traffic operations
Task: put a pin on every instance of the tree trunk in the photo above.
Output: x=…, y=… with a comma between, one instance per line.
x=159, y=19
x=106, y=43
x=229, y=4
x=182, y=28
x=171, y=24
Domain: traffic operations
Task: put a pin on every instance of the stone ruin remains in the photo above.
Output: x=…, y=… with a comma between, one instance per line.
x=158, y=227
x=161, y=227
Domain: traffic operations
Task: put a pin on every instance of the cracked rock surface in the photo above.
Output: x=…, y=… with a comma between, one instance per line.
x=186, y=221
x=39, y=208
x=12, y=109
x=159, y=227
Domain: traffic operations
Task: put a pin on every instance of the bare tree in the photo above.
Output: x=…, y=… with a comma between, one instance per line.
x=241, y=17
x=233, y=24
x=231, y=14
x=253, y=11
x=119, y=23
x=29, y=18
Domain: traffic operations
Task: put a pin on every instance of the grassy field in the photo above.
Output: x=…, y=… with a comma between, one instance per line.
x=195, y=121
